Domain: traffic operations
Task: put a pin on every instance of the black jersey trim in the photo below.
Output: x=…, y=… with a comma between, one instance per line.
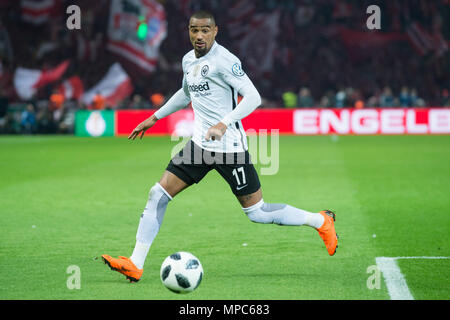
x=233, y=105
x=237, y=123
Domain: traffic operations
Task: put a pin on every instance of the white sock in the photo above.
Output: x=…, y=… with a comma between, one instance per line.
x=149, y=224
x=139, y=254
x=314, y=220
x=283, y=214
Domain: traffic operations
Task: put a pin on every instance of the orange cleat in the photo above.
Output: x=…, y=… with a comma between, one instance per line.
x=327, y=231
x=125, y=266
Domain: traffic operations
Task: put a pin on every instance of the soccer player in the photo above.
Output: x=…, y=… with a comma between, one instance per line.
x=212, y=79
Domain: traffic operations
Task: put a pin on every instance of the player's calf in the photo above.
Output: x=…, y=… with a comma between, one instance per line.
x=150, y=222
x=282, y=214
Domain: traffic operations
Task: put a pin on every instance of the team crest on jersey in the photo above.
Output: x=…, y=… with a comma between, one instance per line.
x=205, y=70
x=237, y=70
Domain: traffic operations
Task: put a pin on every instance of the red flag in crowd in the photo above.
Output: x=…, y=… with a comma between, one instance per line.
x=28, y=81
x=114, y=87
x=425, y=42
x=419, y=38
x=71, y=88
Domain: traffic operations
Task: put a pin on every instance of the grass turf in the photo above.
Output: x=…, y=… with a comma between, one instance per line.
x=65, y=201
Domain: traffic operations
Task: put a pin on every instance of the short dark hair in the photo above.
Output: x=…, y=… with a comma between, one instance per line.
x=203, y=15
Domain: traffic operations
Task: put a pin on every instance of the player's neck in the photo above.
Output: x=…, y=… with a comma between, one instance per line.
x=199, y=54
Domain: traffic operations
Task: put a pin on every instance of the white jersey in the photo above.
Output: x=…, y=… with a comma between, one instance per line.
x=212, y=82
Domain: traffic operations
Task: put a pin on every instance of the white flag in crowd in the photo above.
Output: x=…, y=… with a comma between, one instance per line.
x=125, y=16
x=114, y=87
x=28, y=81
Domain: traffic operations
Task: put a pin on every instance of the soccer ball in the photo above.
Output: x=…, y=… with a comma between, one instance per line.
x=181, y=272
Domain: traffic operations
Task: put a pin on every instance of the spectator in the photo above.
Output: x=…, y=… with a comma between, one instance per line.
x=45, y=121
x=28, y=120
x=4, y=102
x=305, y=100
x=289, y=99
x=67, y=121
x=404, y=97
x=99, y=102
x=372, y=102
x=359, y=104
x=58, y=114
x=416, y=101
x=352, y=96
x=341, y=96
x=157, y=100
x=387, y=99
x=445, y=99
x=324, y=102
x=136, y=102
x=56, y=100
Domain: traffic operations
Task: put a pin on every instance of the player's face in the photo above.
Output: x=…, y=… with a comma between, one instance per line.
x=202, y=33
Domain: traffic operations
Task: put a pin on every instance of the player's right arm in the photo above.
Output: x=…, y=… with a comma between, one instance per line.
x=232, y=73
x=178, y=101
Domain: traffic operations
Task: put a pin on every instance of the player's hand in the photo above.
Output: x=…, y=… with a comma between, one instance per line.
x=142, y=127
x=216, y=132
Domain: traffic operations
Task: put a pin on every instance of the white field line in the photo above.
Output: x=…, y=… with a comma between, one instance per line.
x=393, y=277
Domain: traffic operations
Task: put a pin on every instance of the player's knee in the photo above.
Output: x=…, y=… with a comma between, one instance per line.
x=156, y=204
x=154, y=191
x=158, y=193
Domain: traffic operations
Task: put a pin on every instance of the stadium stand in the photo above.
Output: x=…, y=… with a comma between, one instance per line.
x=317, y=53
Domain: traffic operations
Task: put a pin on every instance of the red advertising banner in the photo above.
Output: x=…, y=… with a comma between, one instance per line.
x=306, y=121
x=127, y=120
x=260, y=119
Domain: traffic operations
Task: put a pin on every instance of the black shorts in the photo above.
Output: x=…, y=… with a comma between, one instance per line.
x=192, y=163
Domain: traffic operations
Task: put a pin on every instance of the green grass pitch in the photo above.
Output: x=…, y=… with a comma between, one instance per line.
x=65, y=201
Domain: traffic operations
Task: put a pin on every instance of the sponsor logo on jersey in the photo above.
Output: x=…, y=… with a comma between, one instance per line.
x=199, y=87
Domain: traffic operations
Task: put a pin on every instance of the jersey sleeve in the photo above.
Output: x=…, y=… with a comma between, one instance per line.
x=233, y=74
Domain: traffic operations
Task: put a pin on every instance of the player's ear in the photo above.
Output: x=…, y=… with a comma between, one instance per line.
x=216, y=29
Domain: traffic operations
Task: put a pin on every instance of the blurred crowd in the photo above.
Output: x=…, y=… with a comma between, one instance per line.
x=310, y=65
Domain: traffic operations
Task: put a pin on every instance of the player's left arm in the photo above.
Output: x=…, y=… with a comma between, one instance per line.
x=250, y=101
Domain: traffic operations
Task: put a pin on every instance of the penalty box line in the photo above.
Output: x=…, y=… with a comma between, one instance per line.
x=393, y=277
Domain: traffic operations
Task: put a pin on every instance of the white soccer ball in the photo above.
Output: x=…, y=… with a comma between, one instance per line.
x=181, y=272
